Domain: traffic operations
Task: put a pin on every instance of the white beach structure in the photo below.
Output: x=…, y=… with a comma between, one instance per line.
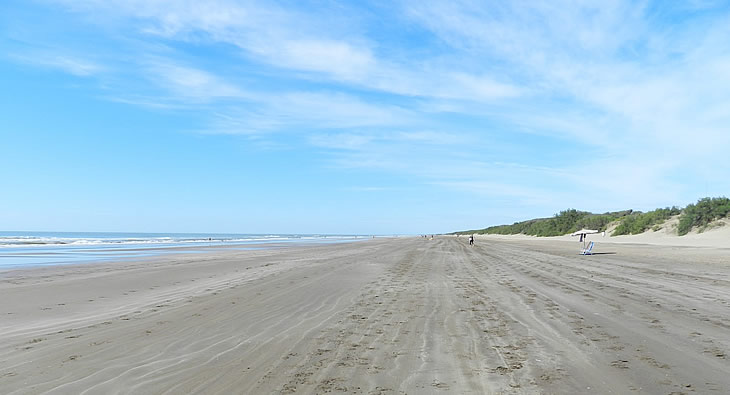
x=583, y=233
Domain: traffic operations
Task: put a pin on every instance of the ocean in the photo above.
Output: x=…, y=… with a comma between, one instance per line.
x=28, y=249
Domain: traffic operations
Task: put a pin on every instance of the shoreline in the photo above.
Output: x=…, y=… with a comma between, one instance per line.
x=18, y=256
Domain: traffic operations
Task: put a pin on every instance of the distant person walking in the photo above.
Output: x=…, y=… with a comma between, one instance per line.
x=471, y=240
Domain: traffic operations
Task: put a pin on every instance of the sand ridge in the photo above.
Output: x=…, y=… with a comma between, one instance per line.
x=715, y=236
x=390, y=316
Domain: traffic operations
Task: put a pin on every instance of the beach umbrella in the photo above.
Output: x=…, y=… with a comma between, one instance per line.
x=583, y=233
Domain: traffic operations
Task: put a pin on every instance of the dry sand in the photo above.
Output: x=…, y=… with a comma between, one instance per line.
x=384, y=316
x=717, y=235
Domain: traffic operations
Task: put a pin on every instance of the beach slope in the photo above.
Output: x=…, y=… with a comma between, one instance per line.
x=405, y=315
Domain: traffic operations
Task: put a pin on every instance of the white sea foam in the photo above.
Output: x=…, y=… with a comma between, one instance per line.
x=25, y=249
x=43, y=240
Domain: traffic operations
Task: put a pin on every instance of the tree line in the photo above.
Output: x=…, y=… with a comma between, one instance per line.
x=698, y=215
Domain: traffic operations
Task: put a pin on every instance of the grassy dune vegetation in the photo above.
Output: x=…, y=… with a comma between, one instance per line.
x=698, y=215
x=703, y=213
x=639, y=222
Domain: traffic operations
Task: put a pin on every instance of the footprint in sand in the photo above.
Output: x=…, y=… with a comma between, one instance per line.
x=621, y=364
x=440, y=385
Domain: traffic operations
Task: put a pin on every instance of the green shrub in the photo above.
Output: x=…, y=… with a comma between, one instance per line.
x=564, y=222
x=702, y=213
x=639, y=222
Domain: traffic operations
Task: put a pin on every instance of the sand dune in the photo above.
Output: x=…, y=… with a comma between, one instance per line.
x=387, y=316
x=717, y=236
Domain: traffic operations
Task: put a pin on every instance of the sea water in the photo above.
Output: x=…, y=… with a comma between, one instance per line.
x=27, y=249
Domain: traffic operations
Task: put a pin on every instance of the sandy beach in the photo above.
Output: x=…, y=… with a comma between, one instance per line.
x=382, y=316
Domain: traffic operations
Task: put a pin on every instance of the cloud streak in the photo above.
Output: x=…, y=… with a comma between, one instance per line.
x=296, y=41
x=494, y=99
x=70, y=64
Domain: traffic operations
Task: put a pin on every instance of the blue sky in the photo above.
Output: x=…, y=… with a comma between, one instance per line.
x=356, y=117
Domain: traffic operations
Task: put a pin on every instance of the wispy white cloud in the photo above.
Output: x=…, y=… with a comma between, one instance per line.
x=189, y=82
x=295, y=40
x=374, y=144
x=340, y=59
x=337, y=110
x=342, y=141
x=169, y=84
x=638, y=82
x=307, y=112
x=606, y=57
x=627, y=99
x=58, y=60
x=522, y=195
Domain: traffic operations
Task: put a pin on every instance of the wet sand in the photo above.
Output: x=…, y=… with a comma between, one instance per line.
x=384, y=316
